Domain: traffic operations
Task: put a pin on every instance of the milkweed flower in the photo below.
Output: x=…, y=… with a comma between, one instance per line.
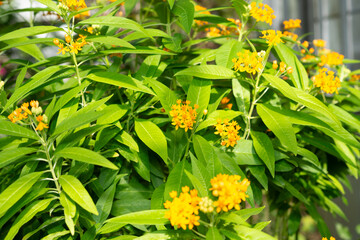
x=183, y=115
x=319, y=43
x=292, y=35
x=331, y=59
x=202, y=9
x=230, y=192
x=41, y=125
x=206, y=205
x=272, y=37
x=292, y=24
x=63, y=49
x=183, y=210
x=326, y=81
x=228, y=131
x=250, y=62
x=262, y=13
x=331, y=238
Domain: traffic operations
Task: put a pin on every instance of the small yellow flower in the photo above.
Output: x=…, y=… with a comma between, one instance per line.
x=319, y=43
x=248, y=61
x=326, y=81
x=206, y=205
x=292, y=23
x=63, y=49
x=41, y=125
x=184, y=116
x=202, y=9
x=183, y=210
x=291, y=35
x=229, y=191
x=263, y=13
x=332, y=59
x=272, y=37
x=228, y=131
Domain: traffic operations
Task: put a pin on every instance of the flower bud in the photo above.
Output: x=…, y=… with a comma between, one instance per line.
x=36, y=110
x=205, y=112
x=2, y=83
x=56, y=41
x=67, y=38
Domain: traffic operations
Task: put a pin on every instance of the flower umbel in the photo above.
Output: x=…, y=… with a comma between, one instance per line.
x=248, y=61
x=41, y=125
x=326, y=81
x=229, y=190
x=228, y=131
x=292, y=23
x=331, y=238
x=184, y=116
x=331, y=59
x=262, y=13
x=183, y=210
x=272, y=37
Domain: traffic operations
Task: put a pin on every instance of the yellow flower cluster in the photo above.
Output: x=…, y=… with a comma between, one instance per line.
x=76, y=5
x=319, y=43
x=183, y=210
x=206, y=205
x=282, y=67
x=222, y=30
x=23, y=112
x=228, y=131
x=71, y=46
x=326, y=81
x=229, y=190
x=250, y=62
x=272, y=37
x=263, y=13
x=331, y=238
x=354, y=78
x=183, y=115
x=292, y=23
x=202, y=9
x=292, y=35
x=331, y=59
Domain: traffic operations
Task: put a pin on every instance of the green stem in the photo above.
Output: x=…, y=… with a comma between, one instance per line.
x=131, y=113
x=78, y=78
x=253, y=102
x=199, y=234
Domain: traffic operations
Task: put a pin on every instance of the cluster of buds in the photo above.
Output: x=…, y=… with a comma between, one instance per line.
x=282, y=68
x=24, y=112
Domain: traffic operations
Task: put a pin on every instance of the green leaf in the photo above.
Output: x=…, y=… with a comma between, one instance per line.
x=34, y=82
x=126, y=139
x=77, y=192
x=148, y=67
x=9, y=156
x=302, y=98
x=157, y=198
x=25, y=45
x=138, y=50
x=323, y=229
x=200, y=172
x=241, y=92
x=16, y=190
x=50, y=4
x=345, y=117
x=167, y=97
x=104, y=204
x=142, y=165
x=85, y=155
x=177, y=179
x=147, y=217
x=26, y=215
x=119, y=22
x=119, y=80
x=295, y=192
x=43, y=226
x=110, y=40
x=171, y=3
x=227, y=52
x=107, y=7
x=251, y=233
x=112, y=113
x=259, y=173
x=264, y=149
x=20, y=77
x=244, y=153
x=213, y=234
x=29, y=31
x=69, y=211
x=216, y=95
x=203, y=192
x=56, y=235
x=199, y=93
x=279, y=125
x=153, y=137
x=184, y=9
x=12, y=129
x=208, y=72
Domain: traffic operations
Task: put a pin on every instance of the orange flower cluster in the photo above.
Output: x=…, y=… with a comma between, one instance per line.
x=229, y=190
x=183, y=210
x=331, y=238
x=21, y=113
x=282, y=67
x=183, y=115
x=292, y=35
x=250, y=62
x=41, y=125
x=228, y=131
x=331, y=59
x=354, y=78
x=263, y=13
x=326, y=81
x=201, y=8
x=71, y=46
x=225, y=104
x=272, y=37
x=319, y=43
x=292, y=23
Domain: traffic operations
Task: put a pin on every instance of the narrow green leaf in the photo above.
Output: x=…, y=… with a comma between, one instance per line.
x=259, y=173
x=213, y=234
x=279, y=125
x=184, y=9
x=12, y=129
x=244, y=153
x=200, y=172
x=43, y=226
x=112, y=113
x=104, y=204
x=50, y=4
x=9, y=156
x=26, y=215
x=241, y=92
x=153, y=137
x=119, y=80
x=295, y=192
x=148, y=217
x=227, y=52
x=167, y=97
x=345, y=117
x=34, y=82
x=177, y=179
x=265, y=150
x=20, y=77
x=23, y=45
x=110, y=40
x=77, y=192
x=199, y=93
x=208, y=72
x=203, y=192
x=171, y=3
x=126, y=139
x=29, y=31
x=56, y=235
x=69, y=211
x=85, y=155
x=16, y=190
x=148, y=67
